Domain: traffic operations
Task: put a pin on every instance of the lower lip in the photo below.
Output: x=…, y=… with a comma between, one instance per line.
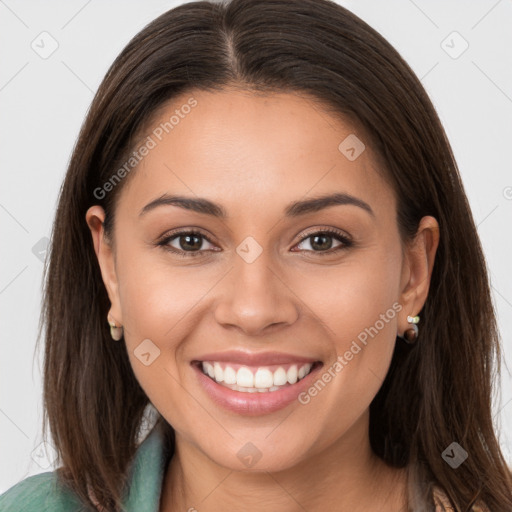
x=254, y=404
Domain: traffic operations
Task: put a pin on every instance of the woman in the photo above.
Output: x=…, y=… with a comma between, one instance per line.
x=263, y=235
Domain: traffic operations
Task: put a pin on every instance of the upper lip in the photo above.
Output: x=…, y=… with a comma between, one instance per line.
x=254, y=358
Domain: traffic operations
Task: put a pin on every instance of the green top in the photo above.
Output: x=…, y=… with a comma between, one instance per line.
x=43, y=492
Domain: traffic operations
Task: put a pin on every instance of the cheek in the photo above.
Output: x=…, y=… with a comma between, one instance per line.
x=157, y=292
x=160, y=302
x=158, y=310
x=356, y=296
x=357, y=303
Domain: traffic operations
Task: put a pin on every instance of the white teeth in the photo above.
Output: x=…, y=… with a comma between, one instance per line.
x=234, y=387
x=262, y=380
x=209, y=369
x=304, y=370
x=229, y=375
x=280, y=377
x=219, y=374
x=291, y=374
x=244, y=377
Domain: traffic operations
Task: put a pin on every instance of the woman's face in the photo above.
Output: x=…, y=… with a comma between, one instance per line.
x=259, y=289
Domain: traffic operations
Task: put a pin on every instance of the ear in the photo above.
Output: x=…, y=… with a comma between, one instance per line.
x=417, y=269
x=95, y=217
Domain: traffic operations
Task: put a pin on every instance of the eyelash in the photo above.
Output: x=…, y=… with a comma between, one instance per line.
x=334, y=233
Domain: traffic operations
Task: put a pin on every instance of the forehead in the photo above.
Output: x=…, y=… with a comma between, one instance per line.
x=240, y=147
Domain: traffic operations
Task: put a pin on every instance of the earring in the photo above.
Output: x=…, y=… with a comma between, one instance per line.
x=411, y=333
x=115, y=331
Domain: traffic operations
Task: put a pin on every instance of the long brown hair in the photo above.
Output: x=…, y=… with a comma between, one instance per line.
x=437, y=391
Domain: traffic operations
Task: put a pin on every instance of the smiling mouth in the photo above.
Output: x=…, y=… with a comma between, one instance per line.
x=256, y=379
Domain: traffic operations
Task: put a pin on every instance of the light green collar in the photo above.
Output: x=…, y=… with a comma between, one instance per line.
x=45, y=493
x=146, y=474
x=144, y=484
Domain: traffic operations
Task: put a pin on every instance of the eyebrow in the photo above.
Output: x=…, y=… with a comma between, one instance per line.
x=295, y=209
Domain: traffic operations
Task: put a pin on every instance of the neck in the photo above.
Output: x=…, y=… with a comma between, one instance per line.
x=347, y=476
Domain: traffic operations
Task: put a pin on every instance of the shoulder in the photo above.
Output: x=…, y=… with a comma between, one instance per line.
x=444, y=504
x=41, y=493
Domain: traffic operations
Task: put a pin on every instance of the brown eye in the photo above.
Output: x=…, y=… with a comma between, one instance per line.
x=190, y=242
x=322, y=241
x=186, y=243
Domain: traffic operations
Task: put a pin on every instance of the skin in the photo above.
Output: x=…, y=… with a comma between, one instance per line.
x=254, y=155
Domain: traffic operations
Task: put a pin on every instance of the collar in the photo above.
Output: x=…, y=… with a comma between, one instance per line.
x=145, y=476
x=143, y=486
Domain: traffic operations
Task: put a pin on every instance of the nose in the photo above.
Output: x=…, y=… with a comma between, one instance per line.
x=255, y=299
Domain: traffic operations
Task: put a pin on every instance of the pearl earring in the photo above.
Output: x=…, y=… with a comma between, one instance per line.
x=115, y=331
x=411, y=333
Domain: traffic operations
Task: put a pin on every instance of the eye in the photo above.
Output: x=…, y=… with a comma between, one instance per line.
x=187, y=243
x=190, y=243
x=321, y=241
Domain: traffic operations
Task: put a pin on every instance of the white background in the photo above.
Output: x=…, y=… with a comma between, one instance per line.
x=43, y=103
